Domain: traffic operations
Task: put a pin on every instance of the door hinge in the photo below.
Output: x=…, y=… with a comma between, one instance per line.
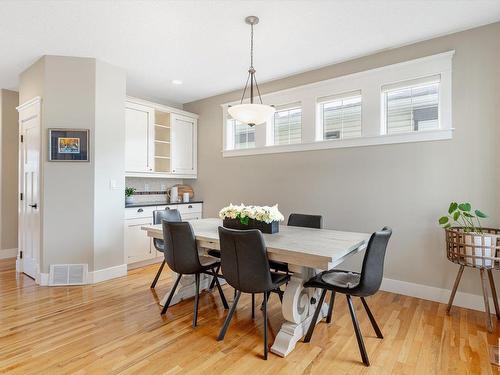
x=22, y=138
x=21, y=196
x=21, y=254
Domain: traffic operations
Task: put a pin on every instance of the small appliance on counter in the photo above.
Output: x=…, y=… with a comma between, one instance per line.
x=173, y=194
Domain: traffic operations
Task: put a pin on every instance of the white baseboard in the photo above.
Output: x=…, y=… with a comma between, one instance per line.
x=107, y=274
x=466, y=300
x=8, y=253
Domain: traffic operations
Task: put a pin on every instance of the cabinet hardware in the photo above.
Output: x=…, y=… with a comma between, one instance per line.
x=140, y=210
x=190, y=206
x=34, y=205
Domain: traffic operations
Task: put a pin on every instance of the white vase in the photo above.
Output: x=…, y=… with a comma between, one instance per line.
x=129, y=200
x=478, y=251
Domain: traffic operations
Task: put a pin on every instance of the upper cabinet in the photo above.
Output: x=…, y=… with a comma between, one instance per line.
x=159, y=141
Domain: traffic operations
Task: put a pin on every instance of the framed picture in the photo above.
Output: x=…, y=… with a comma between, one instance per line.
x=68, y=145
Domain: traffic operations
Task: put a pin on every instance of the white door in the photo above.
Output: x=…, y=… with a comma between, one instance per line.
x=139, y=124
x=183, y=142
x=29, y=210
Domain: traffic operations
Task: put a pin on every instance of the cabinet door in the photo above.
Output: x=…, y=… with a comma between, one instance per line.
x=138, y=246
x=139, y=122
x=183, y=143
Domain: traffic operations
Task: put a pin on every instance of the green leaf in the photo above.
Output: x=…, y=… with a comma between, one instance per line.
x=453, y=207
x=466, y=214
x=456, y=215
x=480, y=214
x=443, y=220
x=447, y=226
x=466, y=207
x=244, y=220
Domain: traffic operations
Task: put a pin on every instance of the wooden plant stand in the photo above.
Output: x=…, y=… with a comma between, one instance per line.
x=480, y=251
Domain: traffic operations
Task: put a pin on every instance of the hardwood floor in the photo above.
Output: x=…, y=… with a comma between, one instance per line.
x=115, y=327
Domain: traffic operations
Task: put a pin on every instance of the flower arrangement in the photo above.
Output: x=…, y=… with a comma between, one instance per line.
x=266, y=214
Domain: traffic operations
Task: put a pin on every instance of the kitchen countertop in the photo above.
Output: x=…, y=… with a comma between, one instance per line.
x=147, y=204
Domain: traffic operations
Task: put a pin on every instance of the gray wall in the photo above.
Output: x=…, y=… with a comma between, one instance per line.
x=9, y=141
x=82, y=217
x=109, y=161
x=406, y=186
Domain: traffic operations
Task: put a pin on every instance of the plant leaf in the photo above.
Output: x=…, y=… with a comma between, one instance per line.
x=456, y=215
x=466, y=214
x=480, y=214
x=466, y=207
x=453, y=207
x=443, y=220
x=447, y=226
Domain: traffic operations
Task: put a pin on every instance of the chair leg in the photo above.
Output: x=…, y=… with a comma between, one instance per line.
x=489, y=325
x=167, y=304
x=455, y=287
x=196, y=299
x=253, y=305
x=266, y=296
x=315, y=317
x=212, y=283
x=359, y=337
x=494, y=292
x=229, y=316
x=372, y=319
x=330, y=308
x=153, y=284
x=222, y=296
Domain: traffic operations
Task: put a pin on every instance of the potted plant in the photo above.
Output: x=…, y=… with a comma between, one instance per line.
x=129, y=195
x=264, y=218
x=464, y=232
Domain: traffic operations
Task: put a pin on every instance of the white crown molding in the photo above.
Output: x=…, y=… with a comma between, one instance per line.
x=29, y=103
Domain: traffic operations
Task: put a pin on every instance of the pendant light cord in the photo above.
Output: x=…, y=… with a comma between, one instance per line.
x=251, y=71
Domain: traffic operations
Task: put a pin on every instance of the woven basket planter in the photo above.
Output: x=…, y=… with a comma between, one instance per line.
x=479, y=250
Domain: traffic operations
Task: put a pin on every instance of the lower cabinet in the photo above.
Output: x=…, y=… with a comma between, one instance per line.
x=138, y=246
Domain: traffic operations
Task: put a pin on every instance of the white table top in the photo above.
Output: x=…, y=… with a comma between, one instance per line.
x=315, y=248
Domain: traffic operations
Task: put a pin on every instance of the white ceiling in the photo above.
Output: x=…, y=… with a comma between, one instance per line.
x=205, y=43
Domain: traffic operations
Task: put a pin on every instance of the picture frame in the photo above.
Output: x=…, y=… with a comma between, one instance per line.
x=69, y=145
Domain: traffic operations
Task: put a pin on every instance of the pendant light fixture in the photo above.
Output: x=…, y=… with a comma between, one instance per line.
x=251, y=113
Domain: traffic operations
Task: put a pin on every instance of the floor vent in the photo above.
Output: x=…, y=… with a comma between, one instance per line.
x=68, y=274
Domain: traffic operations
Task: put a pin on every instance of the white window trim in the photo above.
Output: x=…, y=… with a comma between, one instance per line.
x=370, y=83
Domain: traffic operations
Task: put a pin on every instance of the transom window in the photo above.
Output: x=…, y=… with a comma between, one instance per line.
x=412, y=108
x=287, y=125
x=340, y=116
x=243, y=134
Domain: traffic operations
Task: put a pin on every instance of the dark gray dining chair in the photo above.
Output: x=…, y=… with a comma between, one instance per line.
x=362, y=285
x=298, y=220
x=246, y=268
x=183, y=258
x=158, y=217
x=305, y=221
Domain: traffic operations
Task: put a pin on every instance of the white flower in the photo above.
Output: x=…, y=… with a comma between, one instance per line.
x=266, y=214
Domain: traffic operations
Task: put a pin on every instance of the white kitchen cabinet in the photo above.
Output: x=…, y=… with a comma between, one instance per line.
x=138, y=246
x=160, y=141
x=139, y=121
x=184, y=142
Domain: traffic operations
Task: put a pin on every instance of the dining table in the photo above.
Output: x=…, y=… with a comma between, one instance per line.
x=307, y=251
